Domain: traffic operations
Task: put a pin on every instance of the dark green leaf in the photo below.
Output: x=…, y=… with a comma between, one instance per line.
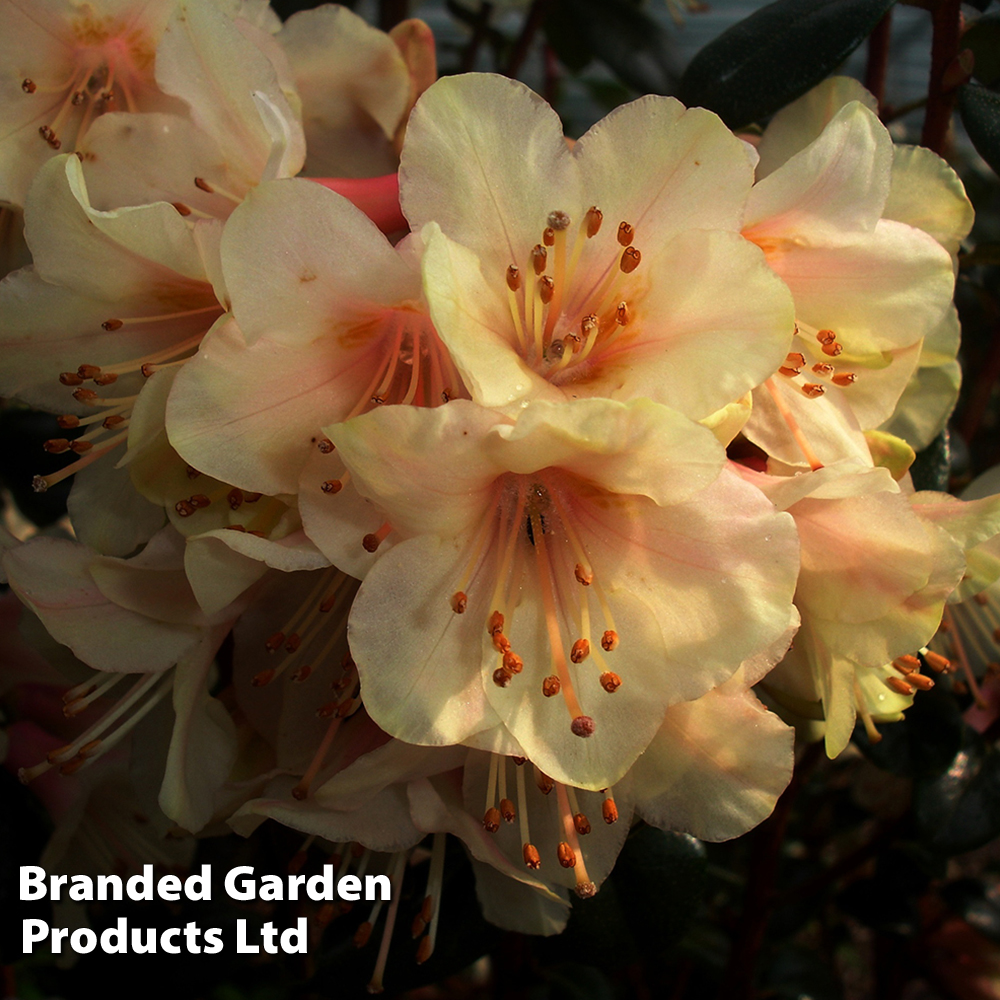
x=960, y=809
x=932, y=466
x=660, y=878
x=635, y=47
x=980, y=109
x=775, y=55
x=922, y=744
x=983, y=38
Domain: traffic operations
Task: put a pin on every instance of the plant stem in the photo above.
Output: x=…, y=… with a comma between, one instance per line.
x=478, y=34
x=536, y=15
x=878, y=59
x=947, y=23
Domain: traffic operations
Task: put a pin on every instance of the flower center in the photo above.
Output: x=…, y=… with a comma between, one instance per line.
x=111, y=64
x=536, y=549
x=556, y=325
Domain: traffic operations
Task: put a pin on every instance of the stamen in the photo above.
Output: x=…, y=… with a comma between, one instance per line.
x=559, y=224
x=539, y=257
x=874, y=736
x=963, y=660
x=898, y=685
x=506, y=806
x=435, y=881
x=626, y=234
x=584, y=887
x=373, y=540
x=301, y=790
x=608, y=808
x=580, y=820
x=529, y=852
x=936, y=662
x=513, y=285
x=543, y=781
x=593, y=220
x=610, y=681
x=396, y=881
x=629, y=260
x=42, y=483
x=75, y=703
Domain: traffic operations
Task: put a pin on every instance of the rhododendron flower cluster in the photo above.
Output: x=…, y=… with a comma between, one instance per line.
x=510, y=475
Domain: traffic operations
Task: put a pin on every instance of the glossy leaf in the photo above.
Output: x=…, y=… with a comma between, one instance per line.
x=980, y=110
x=983, y=39
x=775, y=55
x=932, y=466
x=960, y=809
x=627, y=40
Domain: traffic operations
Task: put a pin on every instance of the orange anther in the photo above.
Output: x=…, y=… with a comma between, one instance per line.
x=630, y=260
x=610, y=681
x=566, y=856
x=580, y=651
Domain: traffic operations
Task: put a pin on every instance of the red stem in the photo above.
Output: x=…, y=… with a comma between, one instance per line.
x=878, y=59
x=947, y=23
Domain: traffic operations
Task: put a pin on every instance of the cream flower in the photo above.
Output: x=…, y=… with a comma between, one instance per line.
x=877, y=568
x=867, y=288
x=612, y=269
x=66, y=65
x=338, y=327
x=134, y=618
x=112, y=297
x=531, y=551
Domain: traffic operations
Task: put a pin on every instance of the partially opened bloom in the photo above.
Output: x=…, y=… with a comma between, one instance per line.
x=878, y=565
x=557, y=582
x=613, y=269
x=867, y=287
